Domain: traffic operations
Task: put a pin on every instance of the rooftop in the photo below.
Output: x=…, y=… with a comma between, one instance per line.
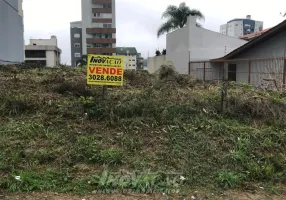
x=126, y=50
x=251, y=35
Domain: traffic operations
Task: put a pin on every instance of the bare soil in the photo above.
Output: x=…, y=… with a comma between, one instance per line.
x=231, y=195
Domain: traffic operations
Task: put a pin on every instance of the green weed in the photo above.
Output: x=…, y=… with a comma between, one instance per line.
x=228, y=179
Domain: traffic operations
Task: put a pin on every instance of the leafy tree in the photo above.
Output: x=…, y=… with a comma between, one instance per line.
x=164, y=52
x=82, y=61
x=177, y=18
x=158, y=53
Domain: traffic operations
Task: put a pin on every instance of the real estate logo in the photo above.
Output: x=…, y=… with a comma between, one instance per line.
x=105, y=70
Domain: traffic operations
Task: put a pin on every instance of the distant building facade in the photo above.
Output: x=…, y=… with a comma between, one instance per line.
x=44, y=52
x=97, y=30
x=11, y=32
x=252, y=36
x=76, y=41
x=140, y=61
x=240, y=27
x=130, y=57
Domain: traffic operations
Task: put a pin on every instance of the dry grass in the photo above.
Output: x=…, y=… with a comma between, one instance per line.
x=52, y=122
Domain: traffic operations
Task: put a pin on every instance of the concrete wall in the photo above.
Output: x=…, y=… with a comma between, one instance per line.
x=178, y=49
x=130, y=62
x=11, y=32
x=192, y=43
x=44, y=42
x=223, y=29
x=154, y=63
x=51, y=58
x=205, y=44
x=86, y=11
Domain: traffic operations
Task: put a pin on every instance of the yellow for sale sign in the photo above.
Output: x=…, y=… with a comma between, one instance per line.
x=105, y=70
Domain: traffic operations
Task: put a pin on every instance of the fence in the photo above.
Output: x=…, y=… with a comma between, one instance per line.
x=265, y=73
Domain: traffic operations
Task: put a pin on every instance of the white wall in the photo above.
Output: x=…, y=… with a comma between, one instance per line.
x=192, y=43
x=44, y=42
x=77, y=24
x=20, y=8
x=223, y=29
x=52, y=59
x=205, y=44
x=235, y=28
x=11, y=32
x=178, y=49
x=130, y=62
x=154, y=63
x=258, y=24
x=86, y=17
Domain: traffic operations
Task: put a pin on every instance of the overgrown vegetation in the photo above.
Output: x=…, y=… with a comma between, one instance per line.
x=157, y=133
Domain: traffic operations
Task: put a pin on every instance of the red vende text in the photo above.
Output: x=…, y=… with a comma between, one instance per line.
x=105, y=70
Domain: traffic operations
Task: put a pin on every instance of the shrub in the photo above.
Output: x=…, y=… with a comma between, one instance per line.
x=78, y=88
x=167, y=70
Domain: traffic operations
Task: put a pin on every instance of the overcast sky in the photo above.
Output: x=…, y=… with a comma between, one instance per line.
x=137, y=21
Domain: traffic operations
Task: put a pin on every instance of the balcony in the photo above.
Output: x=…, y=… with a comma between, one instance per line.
x=101, y=50
x=102, y=20
x=101, y=40
x=101, y=1
x=102, y=10
x=100, y=30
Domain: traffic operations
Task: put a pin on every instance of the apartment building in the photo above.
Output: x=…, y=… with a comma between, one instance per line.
x=130, y=57
x=12, y=31
x=240, y=27
x=76, y=41
x=97, y=27
x=44, y=52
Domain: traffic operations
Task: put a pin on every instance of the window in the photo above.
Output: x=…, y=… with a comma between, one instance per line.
x=38, y=62
x=76, y=35
x=130, y=60
x=107, y=25
x=89, y=46
x=97, y=35
x=35, y=54
x=107, y=5
x=108, y=36
x=133, y=65
x=133, y=60
x=96, y=14
x=77, y=45
x=129, y=65
x=77, y=55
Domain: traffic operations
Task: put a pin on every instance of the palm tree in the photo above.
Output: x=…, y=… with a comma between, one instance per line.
x=177, y=18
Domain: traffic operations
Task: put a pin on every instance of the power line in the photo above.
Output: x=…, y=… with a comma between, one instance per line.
x=11, y=5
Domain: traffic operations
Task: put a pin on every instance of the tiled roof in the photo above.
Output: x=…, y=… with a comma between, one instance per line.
x=251, y=35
